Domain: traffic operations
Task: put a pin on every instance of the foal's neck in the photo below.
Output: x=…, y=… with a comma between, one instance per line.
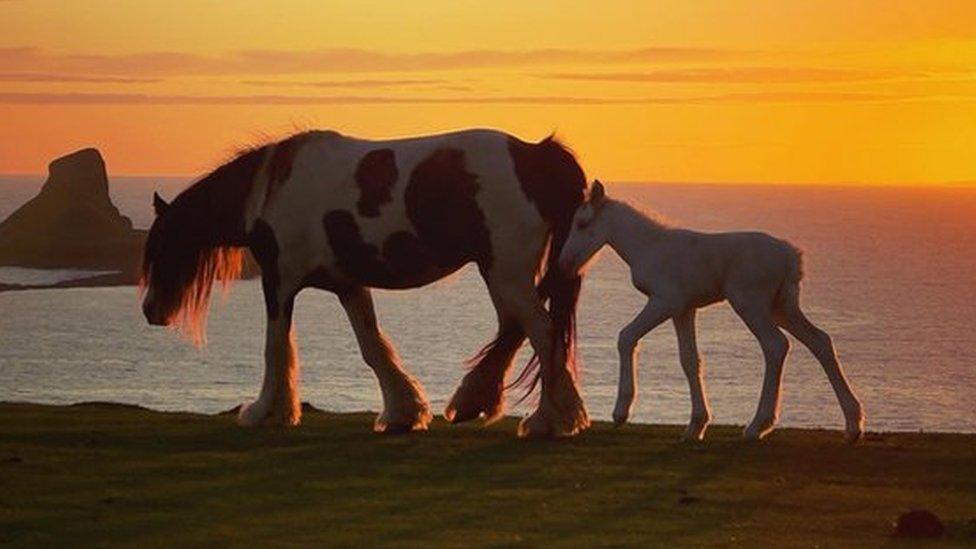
x=630, y=230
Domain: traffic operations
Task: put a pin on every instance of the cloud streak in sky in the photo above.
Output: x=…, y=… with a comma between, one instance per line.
x=748, y=75
x=149, y=99
x=72, y=78
x=268, y=61
x=374, y=83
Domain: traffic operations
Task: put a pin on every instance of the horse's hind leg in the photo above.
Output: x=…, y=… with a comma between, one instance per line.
x=561, y=411
x=757, y=315
x=405, y=407
x=684, y=325
x=482, y=390
x=792, y=319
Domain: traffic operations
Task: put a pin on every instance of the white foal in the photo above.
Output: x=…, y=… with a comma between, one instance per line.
x=680, y=271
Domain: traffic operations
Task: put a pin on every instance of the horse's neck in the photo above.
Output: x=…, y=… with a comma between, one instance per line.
x=631, y=231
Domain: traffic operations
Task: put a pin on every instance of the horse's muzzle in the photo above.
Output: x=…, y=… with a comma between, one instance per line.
x=152, y=315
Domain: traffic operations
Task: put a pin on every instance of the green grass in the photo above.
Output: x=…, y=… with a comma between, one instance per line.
x=101, y=474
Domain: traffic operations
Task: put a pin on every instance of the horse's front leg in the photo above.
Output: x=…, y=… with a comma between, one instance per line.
x=278, y=403
x=405, y=407
x=653, y=314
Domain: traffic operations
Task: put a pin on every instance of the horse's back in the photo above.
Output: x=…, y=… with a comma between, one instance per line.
x=404, y=212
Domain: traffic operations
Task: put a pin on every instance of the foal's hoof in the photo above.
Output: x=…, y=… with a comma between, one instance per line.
x=694, y=433
x=468, y=403
x=756, y=433
x=620, y=419
x=854, y=432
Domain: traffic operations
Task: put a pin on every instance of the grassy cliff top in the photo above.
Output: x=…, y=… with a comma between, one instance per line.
x=121, y=475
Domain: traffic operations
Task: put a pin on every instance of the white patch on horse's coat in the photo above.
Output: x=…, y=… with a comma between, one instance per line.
x=681, y=270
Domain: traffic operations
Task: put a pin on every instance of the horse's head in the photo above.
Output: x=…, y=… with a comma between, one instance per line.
x=162, y=265
x=588, y=233
x=179, y=265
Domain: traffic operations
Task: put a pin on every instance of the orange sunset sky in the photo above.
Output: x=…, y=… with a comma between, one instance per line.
x=877, y=92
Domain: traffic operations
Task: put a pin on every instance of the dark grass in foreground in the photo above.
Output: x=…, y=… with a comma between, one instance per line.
x=98, y=473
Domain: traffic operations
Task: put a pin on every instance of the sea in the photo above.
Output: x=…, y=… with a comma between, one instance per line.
x=889, y=274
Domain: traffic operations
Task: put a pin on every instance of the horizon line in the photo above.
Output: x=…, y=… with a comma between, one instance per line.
x=896, y=184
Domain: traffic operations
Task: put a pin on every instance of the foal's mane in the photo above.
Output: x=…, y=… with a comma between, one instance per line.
x=651, y=215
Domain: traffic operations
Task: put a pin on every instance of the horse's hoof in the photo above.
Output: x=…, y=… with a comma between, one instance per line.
x=534, y=426
x=464, y=408
x=476, y=397
x=256, y=414
x=543, y=424
x=404, y=422
x=619, y=420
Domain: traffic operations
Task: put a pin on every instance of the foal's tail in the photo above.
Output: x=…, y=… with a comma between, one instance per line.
x=788, y=293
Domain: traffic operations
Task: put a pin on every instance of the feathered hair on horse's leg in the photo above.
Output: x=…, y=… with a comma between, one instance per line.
x=481, y=392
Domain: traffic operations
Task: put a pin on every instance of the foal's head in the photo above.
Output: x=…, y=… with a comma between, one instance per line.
x=588, y=233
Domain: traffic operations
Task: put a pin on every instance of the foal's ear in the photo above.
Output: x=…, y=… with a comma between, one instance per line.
x=597, y=193
x=159, y=204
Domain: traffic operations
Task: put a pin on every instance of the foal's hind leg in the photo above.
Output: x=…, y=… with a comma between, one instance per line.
x=757, y=315
x=684, y=325
x=405, y=407
x=481, y=392
x=794, y=321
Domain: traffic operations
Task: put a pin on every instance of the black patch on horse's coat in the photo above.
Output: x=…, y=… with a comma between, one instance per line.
x=401, y=262
x=405, y=255
x=376, y=174
x=356, y=257
x=264, y=247
x=441, y=205
x=321, y=278
x=550, y=177
x=282, y=160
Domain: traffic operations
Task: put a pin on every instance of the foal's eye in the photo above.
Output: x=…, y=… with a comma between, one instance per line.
x=581, y=224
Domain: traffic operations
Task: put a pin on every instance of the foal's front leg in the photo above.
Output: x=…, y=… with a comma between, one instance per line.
x=653, y=314
x=405, y=407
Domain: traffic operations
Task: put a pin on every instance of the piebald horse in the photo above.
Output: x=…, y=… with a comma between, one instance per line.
x=342, y=214
x=681, y=271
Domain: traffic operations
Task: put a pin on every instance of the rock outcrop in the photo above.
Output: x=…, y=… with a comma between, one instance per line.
x=72, y=222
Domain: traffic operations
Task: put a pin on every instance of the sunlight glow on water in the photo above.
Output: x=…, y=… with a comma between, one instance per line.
x=889, y=274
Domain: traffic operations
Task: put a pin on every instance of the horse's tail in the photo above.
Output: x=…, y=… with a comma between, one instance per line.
x=553, y=179
x=561, y=291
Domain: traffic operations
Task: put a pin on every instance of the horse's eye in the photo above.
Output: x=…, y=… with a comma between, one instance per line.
x=582, y=223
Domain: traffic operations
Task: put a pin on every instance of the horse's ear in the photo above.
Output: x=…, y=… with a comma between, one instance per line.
x=159, y=204
x=597, y=193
